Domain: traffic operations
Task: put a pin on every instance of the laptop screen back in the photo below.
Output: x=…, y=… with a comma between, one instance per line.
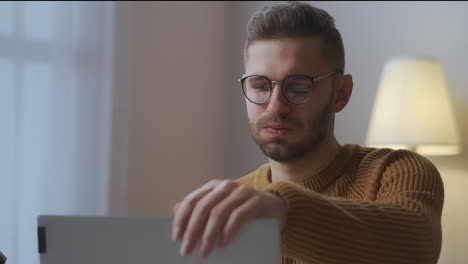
x=123, y=240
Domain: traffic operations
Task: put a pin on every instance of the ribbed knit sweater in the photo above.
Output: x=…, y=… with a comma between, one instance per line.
x=368, y=206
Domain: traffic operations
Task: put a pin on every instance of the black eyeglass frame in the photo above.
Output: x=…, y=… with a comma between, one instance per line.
x=272, y=84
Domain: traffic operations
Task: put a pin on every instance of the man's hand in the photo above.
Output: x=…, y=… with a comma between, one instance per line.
x=221, y=207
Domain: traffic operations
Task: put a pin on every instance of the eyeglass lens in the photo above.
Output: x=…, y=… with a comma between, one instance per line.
x=297, y=89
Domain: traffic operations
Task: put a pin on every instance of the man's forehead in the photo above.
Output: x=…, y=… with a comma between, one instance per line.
x=295, y=54
x=310, y=45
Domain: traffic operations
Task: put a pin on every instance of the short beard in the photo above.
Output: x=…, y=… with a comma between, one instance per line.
x=279, y=150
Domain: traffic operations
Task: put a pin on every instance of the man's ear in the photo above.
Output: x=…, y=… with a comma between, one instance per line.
x=344, y=88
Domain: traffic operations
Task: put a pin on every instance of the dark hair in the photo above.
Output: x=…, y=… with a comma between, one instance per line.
x=295, y=20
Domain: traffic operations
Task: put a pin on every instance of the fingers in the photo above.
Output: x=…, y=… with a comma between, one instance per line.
x=216, y=210
x=239, y=217
x=185, y=208
x=219, y=215
x=200, y=215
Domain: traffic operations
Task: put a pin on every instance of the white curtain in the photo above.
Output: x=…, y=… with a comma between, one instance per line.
x=55, y=116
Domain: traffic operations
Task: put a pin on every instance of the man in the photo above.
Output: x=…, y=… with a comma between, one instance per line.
x=334, y=203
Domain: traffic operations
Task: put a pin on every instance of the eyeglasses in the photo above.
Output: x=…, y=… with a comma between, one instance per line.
x=296, y=88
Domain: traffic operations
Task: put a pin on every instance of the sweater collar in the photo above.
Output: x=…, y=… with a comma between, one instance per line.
x=318, y=181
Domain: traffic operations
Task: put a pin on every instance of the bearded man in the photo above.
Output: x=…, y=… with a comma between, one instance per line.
x=334, y=203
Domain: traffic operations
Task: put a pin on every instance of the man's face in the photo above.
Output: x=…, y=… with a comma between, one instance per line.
x=285, y=131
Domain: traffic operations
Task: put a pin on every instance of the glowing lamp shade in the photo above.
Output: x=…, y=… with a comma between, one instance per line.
x=412, y=109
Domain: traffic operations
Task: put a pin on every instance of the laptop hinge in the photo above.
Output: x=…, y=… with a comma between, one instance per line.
x=41, y=235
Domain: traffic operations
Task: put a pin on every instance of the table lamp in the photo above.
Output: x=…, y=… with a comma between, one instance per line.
x=412, y=109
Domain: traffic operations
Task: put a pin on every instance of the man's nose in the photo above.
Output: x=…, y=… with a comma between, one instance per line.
x=278, y=104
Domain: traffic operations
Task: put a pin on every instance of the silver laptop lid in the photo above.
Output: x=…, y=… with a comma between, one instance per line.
x=136, y=240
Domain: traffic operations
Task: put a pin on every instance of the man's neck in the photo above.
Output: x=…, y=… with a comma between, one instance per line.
x=311, y=164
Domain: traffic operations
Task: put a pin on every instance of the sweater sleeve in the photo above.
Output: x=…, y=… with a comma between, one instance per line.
x=402, y=225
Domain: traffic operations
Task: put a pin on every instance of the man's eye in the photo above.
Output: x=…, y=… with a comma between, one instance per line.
x=258, y=85
x=299, y=88
x=261, y=87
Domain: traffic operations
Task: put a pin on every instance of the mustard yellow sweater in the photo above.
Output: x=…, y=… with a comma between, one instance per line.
x=368, y=206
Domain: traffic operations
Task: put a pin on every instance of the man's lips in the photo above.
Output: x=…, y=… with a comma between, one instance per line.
x=277, y=126
x=278, y=129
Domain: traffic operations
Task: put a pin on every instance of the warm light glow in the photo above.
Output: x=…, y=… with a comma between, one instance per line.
x=412, y=109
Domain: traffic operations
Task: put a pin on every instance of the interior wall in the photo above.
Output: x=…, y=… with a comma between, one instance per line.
x=176, y=74
x=122, y=81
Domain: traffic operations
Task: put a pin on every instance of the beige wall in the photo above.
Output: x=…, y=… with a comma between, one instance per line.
x=175, y=99
x=169, y=141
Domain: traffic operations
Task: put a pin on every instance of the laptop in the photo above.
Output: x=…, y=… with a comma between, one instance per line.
x=139, y=240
